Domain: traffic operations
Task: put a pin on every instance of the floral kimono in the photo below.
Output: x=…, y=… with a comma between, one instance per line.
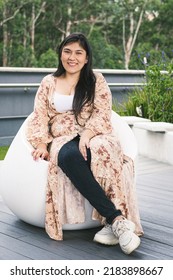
x=112, y=169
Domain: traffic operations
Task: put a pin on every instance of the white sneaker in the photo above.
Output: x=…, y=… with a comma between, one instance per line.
x=128, y=240
x=106, y=235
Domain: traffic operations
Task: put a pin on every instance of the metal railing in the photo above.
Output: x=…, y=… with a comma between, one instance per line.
x=10, y=85
x=19, y=85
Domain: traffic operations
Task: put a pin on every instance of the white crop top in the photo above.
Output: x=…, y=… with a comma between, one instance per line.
x=62, y=102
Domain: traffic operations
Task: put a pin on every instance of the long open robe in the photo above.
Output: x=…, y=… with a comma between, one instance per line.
x=111, y=168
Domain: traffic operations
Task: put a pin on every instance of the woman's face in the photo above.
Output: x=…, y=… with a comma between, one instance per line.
x=73, y=58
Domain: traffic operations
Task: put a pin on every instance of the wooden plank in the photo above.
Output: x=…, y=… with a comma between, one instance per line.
x=151, y=170
x=156, y=249
x=160, y=177
x=159, y=193
x=155, y=217
x=12, y=220
x=27, y=250
x=143, y=200
x=146, y=165
x=6, y=254
x=155, y=183
x=12, y=230
x=159, y=233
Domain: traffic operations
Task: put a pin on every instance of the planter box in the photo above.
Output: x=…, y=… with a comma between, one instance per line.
x=155, y=140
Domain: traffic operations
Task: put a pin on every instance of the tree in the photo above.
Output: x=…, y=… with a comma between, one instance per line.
x=9, y=12
x=117, y=30
x=38, y=7
x=155, y=37
x=132, y=16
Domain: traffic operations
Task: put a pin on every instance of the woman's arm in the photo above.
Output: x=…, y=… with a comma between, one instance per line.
x=37, y=131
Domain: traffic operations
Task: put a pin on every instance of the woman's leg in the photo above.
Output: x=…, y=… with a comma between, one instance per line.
x=71, y=161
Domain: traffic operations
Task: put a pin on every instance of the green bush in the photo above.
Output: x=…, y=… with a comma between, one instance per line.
x=154, y=100
x=159, y=90
x=135, y=105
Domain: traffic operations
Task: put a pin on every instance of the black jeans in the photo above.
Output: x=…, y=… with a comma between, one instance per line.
x=71, y=161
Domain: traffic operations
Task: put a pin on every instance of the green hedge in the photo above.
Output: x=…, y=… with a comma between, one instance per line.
x=154, y=100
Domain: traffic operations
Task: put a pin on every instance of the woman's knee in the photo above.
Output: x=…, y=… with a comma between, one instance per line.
x=98, y=142
x=67, y=154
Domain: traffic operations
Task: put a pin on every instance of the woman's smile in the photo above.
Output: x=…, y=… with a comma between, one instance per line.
x=73, y=57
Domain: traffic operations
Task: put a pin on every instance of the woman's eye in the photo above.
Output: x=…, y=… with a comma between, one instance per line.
x=66, y=51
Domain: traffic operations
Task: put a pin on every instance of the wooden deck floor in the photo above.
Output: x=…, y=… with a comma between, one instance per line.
x=20, y=241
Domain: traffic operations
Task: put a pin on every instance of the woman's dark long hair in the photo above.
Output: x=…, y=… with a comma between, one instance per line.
x=85, y=88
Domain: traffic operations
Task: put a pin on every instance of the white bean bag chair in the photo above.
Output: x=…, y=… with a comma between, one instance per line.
x=23, y=181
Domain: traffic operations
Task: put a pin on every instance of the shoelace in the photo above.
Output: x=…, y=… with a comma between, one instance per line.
x=120, y=228
x=107, y=226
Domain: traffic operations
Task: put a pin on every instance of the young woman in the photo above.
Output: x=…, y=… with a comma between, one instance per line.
x=71, y=127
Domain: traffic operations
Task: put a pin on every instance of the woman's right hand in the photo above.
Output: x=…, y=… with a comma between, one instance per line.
x=41, y=152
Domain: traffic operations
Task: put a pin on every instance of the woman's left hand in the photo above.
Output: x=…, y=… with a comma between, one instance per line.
x=84, y=142
x=41, y=152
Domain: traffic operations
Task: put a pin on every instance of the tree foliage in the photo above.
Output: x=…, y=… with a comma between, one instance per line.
x=121, y=32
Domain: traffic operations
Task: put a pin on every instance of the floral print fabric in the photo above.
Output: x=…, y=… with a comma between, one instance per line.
x=111, y=168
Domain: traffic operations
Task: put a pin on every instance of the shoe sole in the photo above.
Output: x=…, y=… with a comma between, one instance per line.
x=133, y=245
x=103, y=240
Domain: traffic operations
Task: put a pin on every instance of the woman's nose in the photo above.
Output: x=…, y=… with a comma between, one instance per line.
x=72, y=56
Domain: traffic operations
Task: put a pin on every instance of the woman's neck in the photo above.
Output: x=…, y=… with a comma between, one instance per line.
x=71, y=79
x=66, y=84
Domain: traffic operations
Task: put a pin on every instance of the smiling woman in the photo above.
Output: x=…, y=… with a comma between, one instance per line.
x=71, y=128
x=73, y=59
